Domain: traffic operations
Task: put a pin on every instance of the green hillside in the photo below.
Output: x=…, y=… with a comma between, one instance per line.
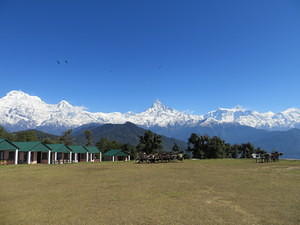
x=127, y=133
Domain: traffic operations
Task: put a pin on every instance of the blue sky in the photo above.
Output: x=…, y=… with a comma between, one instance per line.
x=123, y=55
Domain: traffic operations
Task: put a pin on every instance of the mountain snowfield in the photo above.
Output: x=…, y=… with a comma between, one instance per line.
x=19, y=110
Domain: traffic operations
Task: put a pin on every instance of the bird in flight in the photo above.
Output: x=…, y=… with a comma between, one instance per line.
x=65, y=61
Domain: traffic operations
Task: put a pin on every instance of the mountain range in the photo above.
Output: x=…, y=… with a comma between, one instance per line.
x=21, y=111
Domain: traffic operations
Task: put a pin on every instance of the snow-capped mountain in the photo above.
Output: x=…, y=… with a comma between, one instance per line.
x=289, y=118
x=19, y=110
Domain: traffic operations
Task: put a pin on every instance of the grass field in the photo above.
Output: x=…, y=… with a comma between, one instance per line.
x=193, y=192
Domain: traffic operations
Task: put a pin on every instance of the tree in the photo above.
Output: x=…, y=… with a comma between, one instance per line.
x=203, y=147
x=233, y=151
x=48, y=141
x=247, y=150
x=88, y=137
x=175, y=148
x=149, y=143
x=129, y=149
x=197, y=145
x=215, y=148
x=28, y=135
x=4, y=134
x=67, y=138
x=104, y=145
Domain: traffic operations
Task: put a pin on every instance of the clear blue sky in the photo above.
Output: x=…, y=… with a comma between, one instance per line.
x=123, y=55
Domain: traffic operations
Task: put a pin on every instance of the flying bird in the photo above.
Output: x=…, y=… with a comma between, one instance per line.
x=66, y=62
x=57, y=61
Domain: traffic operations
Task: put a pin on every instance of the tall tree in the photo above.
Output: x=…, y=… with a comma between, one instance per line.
x=88, y=137
x=196, y=145
x=104, y=145
x=149, y=143
x=215, y=148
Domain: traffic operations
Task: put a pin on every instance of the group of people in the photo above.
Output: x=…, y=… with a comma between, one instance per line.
x=266, y=157
x=158, y=157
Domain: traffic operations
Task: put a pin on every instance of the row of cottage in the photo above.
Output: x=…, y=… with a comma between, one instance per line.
x=37, y=152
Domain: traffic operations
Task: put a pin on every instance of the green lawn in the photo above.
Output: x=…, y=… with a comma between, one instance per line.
x=193, y=192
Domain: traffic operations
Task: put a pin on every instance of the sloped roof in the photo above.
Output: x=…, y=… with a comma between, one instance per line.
x=115, y=152
x=77, y=148
x=6, y=145
x=58, y=148
x=33, y=146
x=92, y=149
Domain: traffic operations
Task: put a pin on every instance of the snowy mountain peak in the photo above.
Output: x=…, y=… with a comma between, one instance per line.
x=15, y=95
x=159, y=106
x=19, y=99
x=64, y=104
x=19, y=110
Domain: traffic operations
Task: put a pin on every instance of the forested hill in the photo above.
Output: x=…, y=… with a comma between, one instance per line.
x=127, y=133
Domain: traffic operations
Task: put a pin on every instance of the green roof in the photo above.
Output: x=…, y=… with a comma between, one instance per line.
x=77, y=148
x=115, y=152
x=92, y=149
x=58, y=148
x=33, y=146
x=6, y=145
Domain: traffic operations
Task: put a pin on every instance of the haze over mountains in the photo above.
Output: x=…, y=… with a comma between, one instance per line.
x=20, y=111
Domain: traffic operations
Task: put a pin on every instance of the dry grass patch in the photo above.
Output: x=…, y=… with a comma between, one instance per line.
x=194, y=192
